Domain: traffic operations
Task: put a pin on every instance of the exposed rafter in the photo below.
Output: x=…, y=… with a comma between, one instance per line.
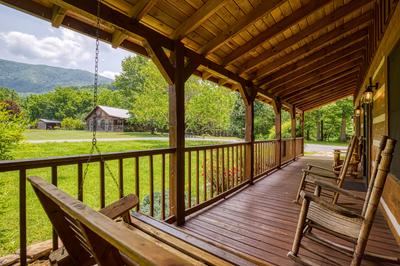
x=331, y=96
x=275, y=29
x=201, y=15
x=118, y=37
x=257, y=13
x=313, y=28
x=58, y=16
x=141, y=8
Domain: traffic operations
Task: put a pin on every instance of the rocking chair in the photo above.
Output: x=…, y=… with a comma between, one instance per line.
x=309, y=176
x=341, y=222
x=355, y=162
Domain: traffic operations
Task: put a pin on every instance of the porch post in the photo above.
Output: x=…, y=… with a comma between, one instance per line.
x=278, y=135
x=293, y=130
x=249, y=138
x=177, y=137
x=302, y=132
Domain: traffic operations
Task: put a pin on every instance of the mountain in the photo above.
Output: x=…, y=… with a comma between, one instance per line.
x=27, y=78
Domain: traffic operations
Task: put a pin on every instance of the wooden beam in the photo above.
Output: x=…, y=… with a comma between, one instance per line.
x=202, y=14
x=161, y=60
x=317, y=73
x=351, y=78
x=323, y=40
x=325, y=93
x=118, y=37
x=313, y=28
x=248, y=19
x=327, y=99
x=278, y=131
x=335, y=60
x=304, y=65
x=58, y=16
x=281, y=26
x=249, y=138
x=319, y=77
x=141, y=9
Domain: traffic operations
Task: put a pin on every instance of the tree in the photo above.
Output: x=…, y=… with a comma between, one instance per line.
x=11, y=129
x=264, y=119
x=9, y=94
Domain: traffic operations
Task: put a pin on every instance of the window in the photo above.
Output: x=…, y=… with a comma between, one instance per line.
x=394, y=105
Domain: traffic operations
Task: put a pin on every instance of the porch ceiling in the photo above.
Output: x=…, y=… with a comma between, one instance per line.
x=305, y=52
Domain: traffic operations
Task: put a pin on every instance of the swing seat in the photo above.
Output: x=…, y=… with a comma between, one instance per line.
x=113, y=237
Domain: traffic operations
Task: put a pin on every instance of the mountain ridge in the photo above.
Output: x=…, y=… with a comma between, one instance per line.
x=30, y=78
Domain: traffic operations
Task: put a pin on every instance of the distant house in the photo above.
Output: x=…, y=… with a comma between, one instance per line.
x=48, y=124
x=108, y=118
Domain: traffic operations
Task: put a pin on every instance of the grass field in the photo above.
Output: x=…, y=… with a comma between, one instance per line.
x=38, y=226
x=328, y=143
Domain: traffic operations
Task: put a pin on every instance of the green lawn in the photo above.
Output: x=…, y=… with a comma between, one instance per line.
x=329, y=143
x=37, y=134
x=38, y=226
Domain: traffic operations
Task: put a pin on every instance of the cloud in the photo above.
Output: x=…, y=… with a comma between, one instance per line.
x=68, y=50
x=109, y=74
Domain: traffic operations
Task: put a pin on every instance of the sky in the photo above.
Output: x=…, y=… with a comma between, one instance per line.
x=27, y=39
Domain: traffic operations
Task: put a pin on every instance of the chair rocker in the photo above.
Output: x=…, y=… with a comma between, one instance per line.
x=340, y=222
x=309, y=176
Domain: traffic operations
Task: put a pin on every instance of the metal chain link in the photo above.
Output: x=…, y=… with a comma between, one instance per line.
x=95, y=100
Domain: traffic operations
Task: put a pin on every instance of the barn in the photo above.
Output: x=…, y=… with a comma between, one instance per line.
x=108, y=118
x=48, y=124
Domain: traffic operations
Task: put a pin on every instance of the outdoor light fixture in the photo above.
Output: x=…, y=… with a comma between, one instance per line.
x=368, y=93
x=357, y=112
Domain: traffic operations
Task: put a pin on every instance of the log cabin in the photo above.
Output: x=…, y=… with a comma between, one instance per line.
x=295, y=55
x=107, y=118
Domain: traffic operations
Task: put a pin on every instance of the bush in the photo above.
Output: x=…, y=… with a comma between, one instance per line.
x=72, y=123
x=11, y=129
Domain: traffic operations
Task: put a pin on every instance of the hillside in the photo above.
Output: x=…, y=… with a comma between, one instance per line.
x=27, y=78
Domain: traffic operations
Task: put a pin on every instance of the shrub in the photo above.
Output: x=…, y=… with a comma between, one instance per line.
x=11, y=129
x=72, y=123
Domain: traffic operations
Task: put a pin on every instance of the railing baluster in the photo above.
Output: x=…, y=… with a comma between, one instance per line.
x=189, y=179
x=137, y=191
x=223, y=169
x=212, y=173
x=151, y=175
x=228, y=170
x=22, y=217
x=163, y=186
x=102, y=185
x=121, y=177
x=237, y=165
x=54, y=177
x=80, y=182
x=241, y=162
x=217, y=179
x=205, y=174
x=197, y=177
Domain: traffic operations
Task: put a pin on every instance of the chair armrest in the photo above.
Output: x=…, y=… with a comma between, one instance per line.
x=328, y=205
x=335, y=188
x=319, y=167
x=309, y=172
x=120, y=207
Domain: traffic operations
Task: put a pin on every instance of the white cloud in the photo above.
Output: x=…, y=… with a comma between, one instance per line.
x=109, y=74
x=68, y=50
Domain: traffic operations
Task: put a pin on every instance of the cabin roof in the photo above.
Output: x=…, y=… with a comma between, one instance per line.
x=112, y=111
x=305, y=53
x=48, y=121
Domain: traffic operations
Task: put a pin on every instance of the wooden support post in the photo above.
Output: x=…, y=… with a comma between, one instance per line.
x=177, y=137
x=293, y=130
x=249, y=137
x=278, y=135
x=302, y=132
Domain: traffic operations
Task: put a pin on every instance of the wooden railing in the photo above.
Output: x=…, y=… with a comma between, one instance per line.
x=299, y=146
x=264, y=157
x=211, y=173
x=287, y=152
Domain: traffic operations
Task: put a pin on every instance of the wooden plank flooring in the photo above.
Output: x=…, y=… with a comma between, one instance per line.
x=261, y=221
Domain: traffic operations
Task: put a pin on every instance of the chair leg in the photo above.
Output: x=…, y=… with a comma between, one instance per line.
x=300, y=226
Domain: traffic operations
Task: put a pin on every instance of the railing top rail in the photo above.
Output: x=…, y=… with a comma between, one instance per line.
x=264, y=141
x=207, y=147
x=68, y=160
x=299, y=137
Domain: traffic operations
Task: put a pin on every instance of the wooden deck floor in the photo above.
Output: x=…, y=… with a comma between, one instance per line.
x=261, y=221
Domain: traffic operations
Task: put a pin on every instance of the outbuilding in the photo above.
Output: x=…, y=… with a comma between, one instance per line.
x=48, y=124
x=108, y=118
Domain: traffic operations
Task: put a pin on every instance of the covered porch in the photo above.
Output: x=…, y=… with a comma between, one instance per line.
x=293, y=55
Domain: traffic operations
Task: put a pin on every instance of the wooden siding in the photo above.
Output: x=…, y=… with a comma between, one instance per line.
x=261, y=220
x=379, y=72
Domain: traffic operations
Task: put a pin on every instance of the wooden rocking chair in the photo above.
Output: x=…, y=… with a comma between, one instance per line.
x=355, y=162
x=309, y=176
x=341, y=222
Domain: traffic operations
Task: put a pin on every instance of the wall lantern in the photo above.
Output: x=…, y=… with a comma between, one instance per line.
x=357, y=112
x=368, y=93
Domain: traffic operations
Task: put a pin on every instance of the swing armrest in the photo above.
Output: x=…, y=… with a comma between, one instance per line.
x=335, y=208
x=120, y=207
x=309, y=172
x=335, y=188
x=318, y=167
